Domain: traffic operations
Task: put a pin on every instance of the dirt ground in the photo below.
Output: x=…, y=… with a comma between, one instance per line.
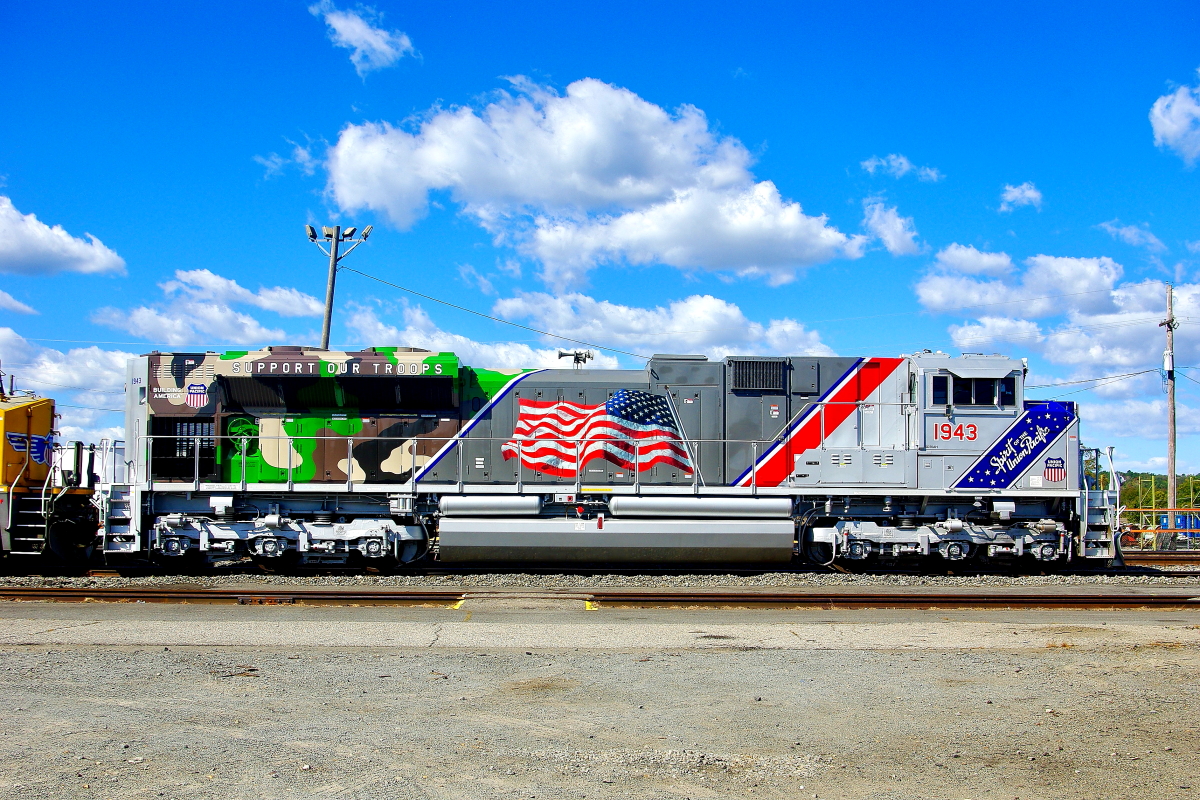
x=1080, y=705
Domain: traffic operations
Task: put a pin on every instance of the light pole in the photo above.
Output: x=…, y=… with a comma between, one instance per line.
x=336, y=237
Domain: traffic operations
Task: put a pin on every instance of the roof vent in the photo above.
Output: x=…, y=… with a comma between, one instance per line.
x=758, y=374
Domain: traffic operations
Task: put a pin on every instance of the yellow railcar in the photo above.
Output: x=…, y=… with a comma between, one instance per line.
x=45, y=509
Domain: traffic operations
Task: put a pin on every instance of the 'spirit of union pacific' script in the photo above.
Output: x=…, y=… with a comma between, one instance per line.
x=1017, y=450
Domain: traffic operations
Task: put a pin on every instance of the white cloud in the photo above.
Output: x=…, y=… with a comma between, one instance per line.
x=990, y=330
x=201, y=284
x=1193, y=247
x=195, y=324
x=197, y=310
x=966, y=259
x=1175, y=120
x=83, y=381
x=752, y=232
x=1092, y=322
x=303, y=158
x=29, y=246
x=1049, y=286
x=372, y=48
x=10, y=303
x=274, y=164
x=898, y=166
x=1133, y=235
x=593, y=175
x=473, y=277
x=421, y=331
x=896, y=232
x=696, y=324
x=1024, y=195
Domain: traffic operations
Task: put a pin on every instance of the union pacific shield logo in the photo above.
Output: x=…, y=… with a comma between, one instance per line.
x=1056, y=470
x=197, y=395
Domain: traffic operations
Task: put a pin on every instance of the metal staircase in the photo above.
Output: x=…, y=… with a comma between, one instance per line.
x=116, y=509
x=27, y=530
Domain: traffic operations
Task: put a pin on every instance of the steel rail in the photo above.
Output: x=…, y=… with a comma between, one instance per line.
x=1158, y=558
x=794, y=598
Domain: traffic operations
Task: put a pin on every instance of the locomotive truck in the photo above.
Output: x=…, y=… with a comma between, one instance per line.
x=391, y=455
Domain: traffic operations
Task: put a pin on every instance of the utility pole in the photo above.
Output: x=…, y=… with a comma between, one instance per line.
x=1169, y=370
x=335, y=240
x=335, y=236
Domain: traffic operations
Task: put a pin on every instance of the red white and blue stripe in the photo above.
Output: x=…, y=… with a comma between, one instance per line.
x=819, y=420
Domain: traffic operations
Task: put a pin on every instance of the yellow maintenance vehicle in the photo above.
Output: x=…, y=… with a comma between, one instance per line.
x=46, y=490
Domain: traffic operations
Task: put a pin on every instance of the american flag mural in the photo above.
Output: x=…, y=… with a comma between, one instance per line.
x=559, y=437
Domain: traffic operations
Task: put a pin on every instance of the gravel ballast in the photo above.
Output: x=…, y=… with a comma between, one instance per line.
x=515, y=580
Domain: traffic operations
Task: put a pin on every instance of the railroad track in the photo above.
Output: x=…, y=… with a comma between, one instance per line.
x=596, y=597
x=1162, y=558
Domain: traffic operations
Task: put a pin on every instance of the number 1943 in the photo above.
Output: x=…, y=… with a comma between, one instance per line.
x=961, y=432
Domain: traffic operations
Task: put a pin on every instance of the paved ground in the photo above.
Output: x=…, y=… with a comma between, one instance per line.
x=541, y=699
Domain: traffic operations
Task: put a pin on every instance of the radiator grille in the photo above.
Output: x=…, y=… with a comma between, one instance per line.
x=169, y=370
x=759, y=374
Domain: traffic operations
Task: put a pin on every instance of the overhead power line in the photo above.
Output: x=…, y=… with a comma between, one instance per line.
x=1088, y=380
x=1104, y=382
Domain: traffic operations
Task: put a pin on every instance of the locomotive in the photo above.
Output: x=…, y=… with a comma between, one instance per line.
x=295, y=456
x=46, y=491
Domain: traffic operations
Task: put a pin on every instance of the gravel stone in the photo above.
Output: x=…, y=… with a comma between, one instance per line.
x=521, y=580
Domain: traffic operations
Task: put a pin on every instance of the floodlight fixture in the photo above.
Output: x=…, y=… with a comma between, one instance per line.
x=341, y=243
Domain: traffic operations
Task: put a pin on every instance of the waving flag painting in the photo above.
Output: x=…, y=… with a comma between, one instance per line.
x=559, y=437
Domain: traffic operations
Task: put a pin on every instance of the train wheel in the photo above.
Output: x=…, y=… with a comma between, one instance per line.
x=69, y=543
x=819, y=553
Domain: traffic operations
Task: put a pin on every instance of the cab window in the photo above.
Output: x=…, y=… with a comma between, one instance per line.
x=941, y=391
x=981, y=391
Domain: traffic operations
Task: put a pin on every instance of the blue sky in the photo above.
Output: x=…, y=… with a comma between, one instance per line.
x=655, y=177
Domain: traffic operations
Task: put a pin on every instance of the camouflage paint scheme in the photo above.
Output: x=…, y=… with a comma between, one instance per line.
x=375, y=414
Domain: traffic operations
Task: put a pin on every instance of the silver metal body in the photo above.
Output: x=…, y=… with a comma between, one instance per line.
x=925, y=455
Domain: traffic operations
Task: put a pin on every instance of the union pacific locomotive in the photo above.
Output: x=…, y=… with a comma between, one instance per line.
x=390, y=455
